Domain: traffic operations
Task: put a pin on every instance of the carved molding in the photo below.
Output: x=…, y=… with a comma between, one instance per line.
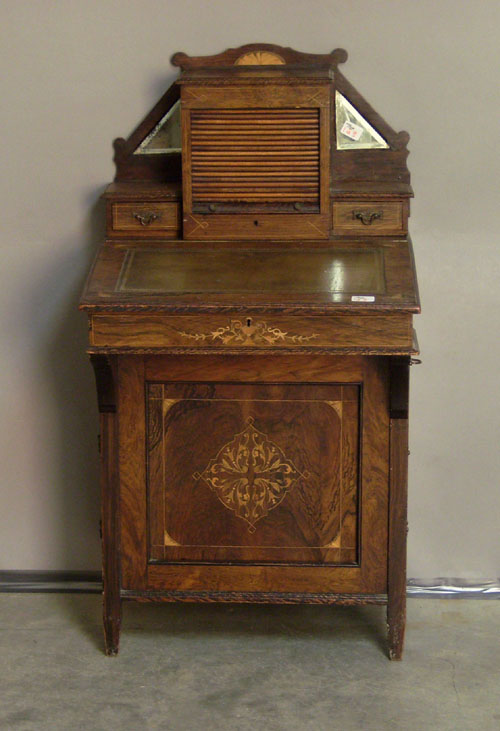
x=231, y=56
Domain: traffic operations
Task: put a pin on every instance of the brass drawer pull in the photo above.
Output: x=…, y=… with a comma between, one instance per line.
x=146, y=217
x=367, y=217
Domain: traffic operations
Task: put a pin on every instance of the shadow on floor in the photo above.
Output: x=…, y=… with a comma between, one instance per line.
x=229, y=620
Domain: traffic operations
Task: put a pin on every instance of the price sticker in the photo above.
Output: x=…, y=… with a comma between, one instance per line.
x=362, y=298
x=351, y=130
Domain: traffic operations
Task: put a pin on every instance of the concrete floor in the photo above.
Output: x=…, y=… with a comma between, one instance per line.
x=190, y=667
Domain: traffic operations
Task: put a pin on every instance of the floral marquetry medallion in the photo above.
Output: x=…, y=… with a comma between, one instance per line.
x=250, y=475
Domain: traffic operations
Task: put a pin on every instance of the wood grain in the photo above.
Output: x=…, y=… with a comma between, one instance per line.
x=301, y=287
x=209, y=345
x=231, y=56
x=286, y=505
x=255, y=597
x=159, y=218
x=398, y=526
x=258, y=146
x=132, y=470
x=220, y=332
x=369, y=576
x=110, y=522
x=105, y=373
x=258, y=226
x=254, y=156
x=381, y=217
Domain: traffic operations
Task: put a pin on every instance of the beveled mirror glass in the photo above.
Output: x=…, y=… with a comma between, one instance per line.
x=353, y=131
x=166, y=136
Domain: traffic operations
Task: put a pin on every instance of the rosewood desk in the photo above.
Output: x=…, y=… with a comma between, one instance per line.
x=252, y=341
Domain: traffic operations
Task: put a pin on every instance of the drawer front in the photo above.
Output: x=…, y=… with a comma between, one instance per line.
x=150, y=220
x=224, y=332
x=370, y=218
x=257, y=226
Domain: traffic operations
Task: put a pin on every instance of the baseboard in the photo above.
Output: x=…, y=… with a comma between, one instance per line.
x=61, y=582
x=90, y=582
x=446, y=588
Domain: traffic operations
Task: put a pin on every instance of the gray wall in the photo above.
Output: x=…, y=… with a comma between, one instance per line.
x=76, y=74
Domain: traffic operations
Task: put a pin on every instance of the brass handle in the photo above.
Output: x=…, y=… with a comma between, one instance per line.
x=366, y=217
x=146, y=217
x=212, y=207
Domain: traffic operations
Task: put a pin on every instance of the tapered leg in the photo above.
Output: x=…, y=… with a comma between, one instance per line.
x=112, y=617
x=398, y=497
x=396, y=624
x=109, y=503
x=110, y=555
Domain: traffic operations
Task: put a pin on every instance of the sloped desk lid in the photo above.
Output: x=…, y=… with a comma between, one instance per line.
x=350, y=276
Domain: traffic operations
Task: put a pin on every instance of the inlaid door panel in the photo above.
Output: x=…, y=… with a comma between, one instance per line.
x=253, y=473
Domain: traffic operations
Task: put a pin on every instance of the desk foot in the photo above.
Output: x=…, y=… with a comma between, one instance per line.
x=112, y=620
x=396, y=624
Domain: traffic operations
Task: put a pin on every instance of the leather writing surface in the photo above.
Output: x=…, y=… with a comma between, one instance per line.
x=232, y=271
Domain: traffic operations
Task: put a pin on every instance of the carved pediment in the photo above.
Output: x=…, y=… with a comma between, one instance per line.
x=363, y=146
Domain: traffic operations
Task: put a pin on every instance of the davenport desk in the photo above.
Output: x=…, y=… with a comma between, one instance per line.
x=250, y=326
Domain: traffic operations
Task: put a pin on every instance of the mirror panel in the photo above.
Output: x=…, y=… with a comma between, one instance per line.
x=166, y=136
x=353, y=131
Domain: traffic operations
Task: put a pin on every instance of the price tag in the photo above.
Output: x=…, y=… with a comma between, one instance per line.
x=362, y=298
x=353, y=131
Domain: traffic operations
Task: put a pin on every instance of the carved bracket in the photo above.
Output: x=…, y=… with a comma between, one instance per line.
x=105, y=384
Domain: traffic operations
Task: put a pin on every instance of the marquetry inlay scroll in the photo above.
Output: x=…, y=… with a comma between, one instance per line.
x=250, y=475
x=249, y=332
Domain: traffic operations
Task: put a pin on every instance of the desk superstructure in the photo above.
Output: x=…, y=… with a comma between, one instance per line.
x=250, y=326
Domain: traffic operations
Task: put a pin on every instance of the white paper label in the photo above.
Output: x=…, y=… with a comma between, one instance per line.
x=362, y=298
x=353, y=131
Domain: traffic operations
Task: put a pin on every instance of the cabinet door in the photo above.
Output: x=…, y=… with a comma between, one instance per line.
x=254, y=473
x=236, y=476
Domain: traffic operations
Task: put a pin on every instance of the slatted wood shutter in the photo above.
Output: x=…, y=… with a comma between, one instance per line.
x=264, y=156
x=256, y=161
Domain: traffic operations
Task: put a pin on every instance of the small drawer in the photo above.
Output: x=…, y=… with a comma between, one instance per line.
x=370, y=217
x=155, y=219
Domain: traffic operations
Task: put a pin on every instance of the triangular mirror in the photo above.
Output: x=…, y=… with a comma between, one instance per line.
x=166, y=135
x=353, y=131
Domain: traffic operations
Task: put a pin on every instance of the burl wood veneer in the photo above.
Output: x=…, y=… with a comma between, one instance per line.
x=250, y=326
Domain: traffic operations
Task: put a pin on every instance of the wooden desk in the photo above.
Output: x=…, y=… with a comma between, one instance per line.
x=253, y=397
